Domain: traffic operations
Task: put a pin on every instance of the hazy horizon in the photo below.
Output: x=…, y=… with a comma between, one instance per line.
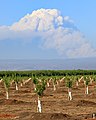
x=59, y=64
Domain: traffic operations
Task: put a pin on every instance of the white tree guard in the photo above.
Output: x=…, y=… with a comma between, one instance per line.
x=70, y=95
x=7, y=95
x=39, y=108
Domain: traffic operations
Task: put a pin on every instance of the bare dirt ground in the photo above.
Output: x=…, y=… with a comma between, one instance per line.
x=22, y=104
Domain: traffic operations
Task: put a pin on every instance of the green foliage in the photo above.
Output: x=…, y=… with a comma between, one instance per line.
x=16, y=79
x=54, y=80
x=48, y=73
x=44, y=82
x=87, y=81
x=76, y=78
x=94, y=77
x=6, y=82
x=68, y=82
x=35, y=81
x=84, y=77
x=73, y=75
x=40, y=87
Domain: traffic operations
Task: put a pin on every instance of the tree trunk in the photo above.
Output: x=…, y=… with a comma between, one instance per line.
x=21, y=84
x=91, y=81
x=87, y=90
x=57, y=83
x=34, y=87
x=39, y=108
x=16, y=86
x=69, y=94
x=54, y=87
x=48, y=84
x=7, y=95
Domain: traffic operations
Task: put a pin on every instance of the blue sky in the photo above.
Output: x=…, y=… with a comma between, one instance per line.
x=82, y=12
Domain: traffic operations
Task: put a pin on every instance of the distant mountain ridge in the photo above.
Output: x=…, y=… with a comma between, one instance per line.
x=51, y=64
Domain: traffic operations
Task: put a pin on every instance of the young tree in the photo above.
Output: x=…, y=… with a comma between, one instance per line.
x=21, y=82
x=94, y=79
x=12, y=80
x=91, y=80
x=86, y=79
x=40, y=87
x=54, y=83
x=6, y=85
x=69, y=85
x=48, y=82
x=35, y=81
x=20, y=79
x=16, y=80
x=77, y=81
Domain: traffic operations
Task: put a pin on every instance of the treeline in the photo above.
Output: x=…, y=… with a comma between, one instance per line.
x=47, y=73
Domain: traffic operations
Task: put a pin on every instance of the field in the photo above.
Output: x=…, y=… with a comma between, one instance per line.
x=22, y=104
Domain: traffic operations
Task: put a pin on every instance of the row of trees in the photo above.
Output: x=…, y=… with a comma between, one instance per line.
x=40, y=83
x=39, y=73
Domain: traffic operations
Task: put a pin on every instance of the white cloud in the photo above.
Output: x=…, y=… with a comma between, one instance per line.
x=55, y=31
x=68, y=42
x=40, y=20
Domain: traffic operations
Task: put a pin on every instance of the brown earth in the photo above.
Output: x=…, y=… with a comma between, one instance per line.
x=22, y=104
